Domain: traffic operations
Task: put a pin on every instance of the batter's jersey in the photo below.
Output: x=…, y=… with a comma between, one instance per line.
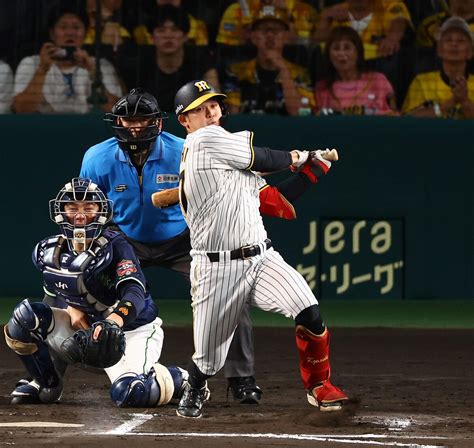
x=219, y=196
x=111, y=169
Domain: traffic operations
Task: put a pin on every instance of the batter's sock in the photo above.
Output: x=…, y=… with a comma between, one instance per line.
x=311, y=319
x=196, y=378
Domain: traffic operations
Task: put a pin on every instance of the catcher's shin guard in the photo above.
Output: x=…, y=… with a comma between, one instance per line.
x=315, y=370
x=156, y=388
x=25, y=334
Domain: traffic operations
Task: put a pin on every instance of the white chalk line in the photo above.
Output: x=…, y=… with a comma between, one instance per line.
x=137, y=420
x=40, y=425
x=127, y=427
x=353, y=439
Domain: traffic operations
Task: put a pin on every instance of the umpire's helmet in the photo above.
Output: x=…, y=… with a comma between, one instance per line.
x=136, y=104
x=80, y=190
x=193, y=94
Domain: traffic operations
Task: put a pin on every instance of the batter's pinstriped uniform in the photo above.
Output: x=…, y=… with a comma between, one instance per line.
x=220, y=201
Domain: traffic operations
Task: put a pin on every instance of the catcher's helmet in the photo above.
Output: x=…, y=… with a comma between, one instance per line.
x=193, y=94
x=80, y=190
x=136, y=104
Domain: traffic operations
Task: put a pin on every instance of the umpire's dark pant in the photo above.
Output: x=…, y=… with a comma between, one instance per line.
x=174, y=254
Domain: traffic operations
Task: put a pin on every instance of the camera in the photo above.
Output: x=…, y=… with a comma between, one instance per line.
x=65, y=53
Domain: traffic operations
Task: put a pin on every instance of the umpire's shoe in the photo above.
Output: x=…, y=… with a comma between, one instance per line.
x=245, y=390
x=192, y=401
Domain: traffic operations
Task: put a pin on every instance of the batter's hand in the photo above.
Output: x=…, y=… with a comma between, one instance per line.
x=299, y=158
x=319, y=163
x=327, y=155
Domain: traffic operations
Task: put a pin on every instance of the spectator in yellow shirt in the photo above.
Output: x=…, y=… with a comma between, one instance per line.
x=113, y=33
x=448, y=92
x=197, y=35
x=234, y=27
x=269, y=83
x=380, y=23
x=429, y=27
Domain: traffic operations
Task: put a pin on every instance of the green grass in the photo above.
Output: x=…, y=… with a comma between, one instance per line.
x=360, y=313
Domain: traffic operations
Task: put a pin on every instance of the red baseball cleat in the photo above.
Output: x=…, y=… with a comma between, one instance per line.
x=327, y=397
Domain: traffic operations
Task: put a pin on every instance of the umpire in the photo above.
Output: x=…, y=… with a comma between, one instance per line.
x=140, y=160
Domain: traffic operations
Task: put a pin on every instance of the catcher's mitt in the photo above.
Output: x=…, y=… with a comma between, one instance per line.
x=103, y=353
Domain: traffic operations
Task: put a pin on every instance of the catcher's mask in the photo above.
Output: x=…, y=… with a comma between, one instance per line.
x=194, y=93
x=137, y=104
x=80, y=236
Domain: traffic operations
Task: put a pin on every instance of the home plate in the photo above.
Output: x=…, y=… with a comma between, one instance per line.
x=40, y=425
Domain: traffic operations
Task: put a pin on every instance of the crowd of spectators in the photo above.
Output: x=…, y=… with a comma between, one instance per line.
x=287, y=57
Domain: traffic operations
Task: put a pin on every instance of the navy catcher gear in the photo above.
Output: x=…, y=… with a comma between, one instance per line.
x=105, y=352
x=31, y=392
x=25, y=334
x=156, y=388
x=31, y=322
x=80, y=190
x=136, y=104
x=194, y=93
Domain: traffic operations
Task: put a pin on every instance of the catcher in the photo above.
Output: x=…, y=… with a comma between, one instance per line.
x=97, y=310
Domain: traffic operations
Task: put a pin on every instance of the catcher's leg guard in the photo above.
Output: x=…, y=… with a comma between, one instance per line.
x=315, y=370
x=25, y=333
x=156, y=388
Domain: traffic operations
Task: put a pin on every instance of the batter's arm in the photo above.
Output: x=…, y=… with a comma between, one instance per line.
x=278, y=200
x=268, y=160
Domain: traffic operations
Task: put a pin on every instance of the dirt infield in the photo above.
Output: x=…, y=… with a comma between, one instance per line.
x=410, y=388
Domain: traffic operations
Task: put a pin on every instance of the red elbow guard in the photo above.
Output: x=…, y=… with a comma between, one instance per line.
x=273, y=203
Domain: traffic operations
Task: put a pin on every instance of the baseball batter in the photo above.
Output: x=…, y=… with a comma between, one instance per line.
x=233, y=261
x=142, y=159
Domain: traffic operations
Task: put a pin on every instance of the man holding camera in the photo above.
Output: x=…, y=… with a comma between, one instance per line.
x=60, y=79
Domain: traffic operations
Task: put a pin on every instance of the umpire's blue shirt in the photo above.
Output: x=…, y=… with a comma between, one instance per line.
x=111, y=169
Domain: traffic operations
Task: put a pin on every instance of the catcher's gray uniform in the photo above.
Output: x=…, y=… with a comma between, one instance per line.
x=220, y=201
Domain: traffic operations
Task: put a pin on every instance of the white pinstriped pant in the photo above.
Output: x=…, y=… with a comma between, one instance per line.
x=221, y=289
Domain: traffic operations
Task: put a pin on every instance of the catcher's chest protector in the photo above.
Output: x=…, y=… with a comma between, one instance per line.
x=67, y=275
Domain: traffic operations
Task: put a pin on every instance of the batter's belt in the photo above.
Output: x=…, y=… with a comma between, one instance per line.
x=242, y=252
